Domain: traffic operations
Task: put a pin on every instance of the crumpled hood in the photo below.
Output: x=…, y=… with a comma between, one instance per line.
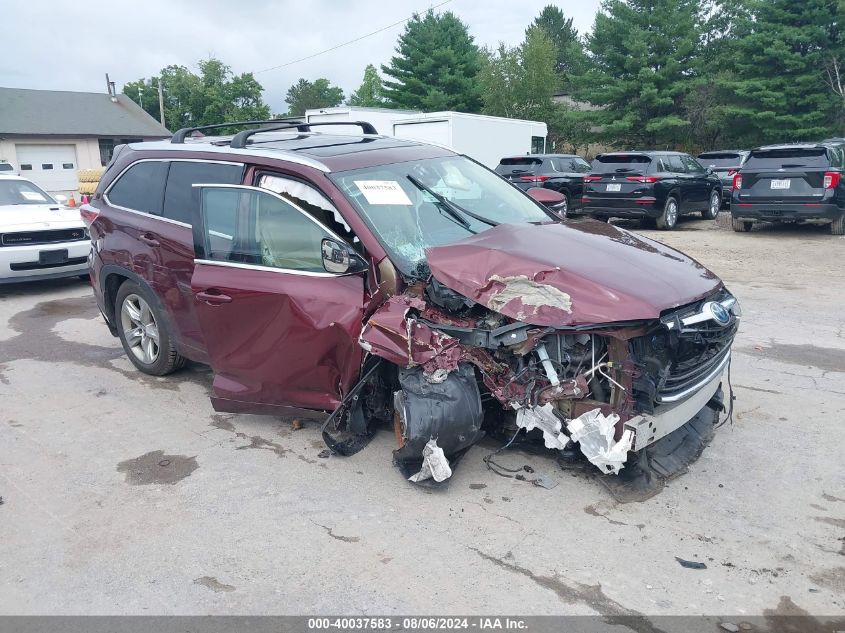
x=570, y=274
x=20, y=216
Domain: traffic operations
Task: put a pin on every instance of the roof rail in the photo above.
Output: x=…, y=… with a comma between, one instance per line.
x=240, y=139
x=180, y=135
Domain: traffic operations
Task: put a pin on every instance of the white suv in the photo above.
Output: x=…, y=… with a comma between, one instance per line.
x=39, y=238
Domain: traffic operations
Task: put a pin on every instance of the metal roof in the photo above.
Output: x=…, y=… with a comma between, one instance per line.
x=61, y=113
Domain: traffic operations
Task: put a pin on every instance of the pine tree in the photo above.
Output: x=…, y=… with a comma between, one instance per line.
x=644, y=64
x=305, y=95
x=369, y=93
x=779, y=59
x=435, y=66
x=570, y=57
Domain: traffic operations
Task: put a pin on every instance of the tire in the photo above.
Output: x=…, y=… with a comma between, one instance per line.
x=150, y=347
x=667, y=220
x=741, y=226
x=715, y=203
x=837, y=227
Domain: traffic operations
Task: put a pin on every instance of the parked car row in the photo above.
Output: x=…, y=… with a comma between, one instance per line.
x=796, y=182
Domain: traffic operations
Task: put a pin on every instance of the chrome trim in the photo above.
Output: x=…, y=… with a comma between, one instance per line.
x=700, y=317
x=159, y=160
x=701, y=383
x=287, y=271
x=206, y=146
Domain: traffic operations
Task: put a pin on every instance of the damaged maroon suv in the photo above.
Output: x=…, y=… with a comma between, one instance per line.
x=393, y=283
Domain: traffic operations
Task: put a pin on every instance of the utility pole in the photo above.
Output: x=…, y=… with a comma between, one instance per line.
x=161, y=103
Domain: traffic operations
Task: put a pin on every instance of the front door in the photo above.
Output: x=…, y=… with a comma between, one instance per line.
x=280, y=330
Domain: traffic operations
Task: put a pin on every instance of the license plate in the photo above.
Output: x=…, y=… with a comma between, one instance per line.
x=781, y=184
x=614, y=187
x=52, y=257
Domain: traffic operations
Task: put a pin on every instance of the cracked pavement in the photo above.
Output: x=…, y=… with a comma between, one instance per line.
x=128, y=494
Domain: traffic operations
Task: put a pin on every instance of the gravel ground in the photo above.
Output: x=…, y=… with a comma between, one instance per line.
x=127, y=494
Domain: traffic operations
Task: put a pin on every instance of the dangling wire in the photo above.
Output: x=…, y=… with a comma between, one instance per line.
x=731, y=398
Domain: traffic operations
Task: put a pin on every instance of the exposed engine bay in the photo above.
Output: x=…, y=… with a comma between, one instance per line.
x=457, y=370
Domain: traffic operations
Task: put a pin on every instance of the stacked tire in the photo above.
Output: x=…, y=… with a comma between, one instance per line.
x=88, y=180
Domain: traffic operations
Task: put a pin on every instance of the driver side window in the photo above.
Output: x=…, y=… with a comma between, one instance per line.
x=250, y=226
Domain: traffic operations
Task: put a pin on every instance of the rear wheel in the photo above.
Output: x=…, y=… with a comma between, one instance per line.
x=712, y=209
x=667, y=220
x=741, y=226
x=143, y=332
x=837, y=227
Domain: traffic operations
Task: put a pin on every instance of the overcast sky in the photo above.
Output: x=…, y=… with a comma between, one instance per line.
x=70, y=44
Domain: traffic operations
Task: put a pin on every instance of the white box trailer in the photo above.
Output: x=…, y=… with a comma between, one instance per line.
x=381, y=118
x=487, y=139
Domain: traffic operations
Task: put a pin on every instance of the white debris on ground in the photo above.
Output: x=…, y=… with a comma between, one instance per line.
x=543, y=418
x=594, y=433
x=434, y=466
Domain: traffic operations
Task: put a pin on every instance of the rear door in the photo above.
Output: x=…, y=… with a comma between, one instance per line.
x=280, y=330
x=522, y=171
x=697, y=182
x=784, y=175
x=614, y=181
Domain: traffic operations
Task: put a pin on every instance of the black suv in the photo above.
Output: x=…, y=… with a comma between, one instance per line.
x=791, y=183
x=659, y=186
x=563, y=173
x=725, y=164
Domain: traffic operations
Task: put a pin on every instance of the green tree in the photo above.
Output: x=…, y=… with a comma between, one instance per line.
x=306, y=95
x=570, y=58
x=519, y=82
x=216, y=95
x=643, y=67
x=435, y=66
x=369, y=93
x=780, y=57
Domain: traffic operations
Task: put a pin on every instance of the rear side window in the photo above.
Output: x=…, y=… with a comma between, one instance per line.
x=787, y=158
x=518, y=165
x=140, y=188
x=621, y=163
x=181, y=198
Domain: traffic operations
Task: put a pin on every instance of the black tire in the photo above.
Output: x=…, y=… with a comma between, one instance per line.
x=151, y=349
x=837, y=227
x=741, y=226
x=714, y=204
x=667, y=220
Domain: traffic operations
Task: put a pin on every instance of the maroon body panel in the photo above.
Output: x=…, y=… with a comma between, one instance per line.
x=283, y=339
x=608, y=274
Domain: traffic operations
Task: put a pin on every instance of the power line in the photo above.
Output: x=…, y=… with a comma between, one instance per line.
x=357, y=39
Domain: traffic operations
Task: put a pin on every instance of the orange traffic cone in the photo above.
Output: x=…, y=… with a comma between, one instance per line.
x=71, y=201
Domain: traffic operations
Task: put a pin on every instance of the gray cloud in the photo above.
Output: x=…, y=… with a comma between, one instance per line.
x=71, y=44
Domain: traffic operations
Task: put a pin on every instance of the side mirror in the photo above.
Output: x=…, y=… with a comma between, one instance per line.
x=60, y=198
x=547, y=197
x=339, y=258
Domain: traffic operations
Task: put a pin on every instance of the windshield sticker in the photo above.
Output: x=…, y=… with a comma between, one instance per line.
x=34, y=196
x=383, y=192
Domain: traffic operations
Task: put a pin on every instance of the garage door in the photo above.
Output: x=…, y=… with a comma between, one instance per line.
x=52, y=167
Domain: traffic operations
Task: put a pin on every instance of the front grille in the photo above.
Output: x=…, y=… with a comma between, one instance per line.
x=672, y=360
x=26, y=238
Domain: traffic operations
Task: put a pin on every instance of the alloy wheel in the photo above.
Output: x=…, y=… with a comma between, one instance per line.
x=715, y=204
x=140, y=329
x=671, y=213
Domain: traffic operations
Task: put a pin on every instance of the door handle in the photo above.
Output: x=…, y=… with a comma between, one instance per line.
x=149, y=239
x=213, y=297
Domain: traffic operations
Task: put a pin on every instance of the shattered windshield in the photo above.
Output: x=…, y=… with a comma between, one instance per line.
x=407, y=219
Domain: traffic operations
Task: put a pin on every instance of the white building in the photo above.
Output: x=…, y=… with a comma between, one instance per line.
x=50, y=135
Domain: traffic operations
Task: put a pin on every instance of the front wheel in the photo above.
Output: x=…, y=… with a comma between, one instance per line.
x=712, y=209
x=143, y=332
x=741, y=226
x=666, y=221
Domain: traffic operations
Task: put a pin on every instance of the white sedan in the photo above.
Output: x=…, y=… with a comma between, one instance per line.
x=39, y=238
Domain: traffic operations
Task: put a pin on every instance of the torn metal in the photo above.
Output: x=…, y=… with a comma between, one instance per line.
x=570, y=353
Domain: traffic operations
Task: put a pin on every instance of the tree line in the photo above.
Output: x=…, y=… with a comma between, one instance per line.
x=685, y=74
